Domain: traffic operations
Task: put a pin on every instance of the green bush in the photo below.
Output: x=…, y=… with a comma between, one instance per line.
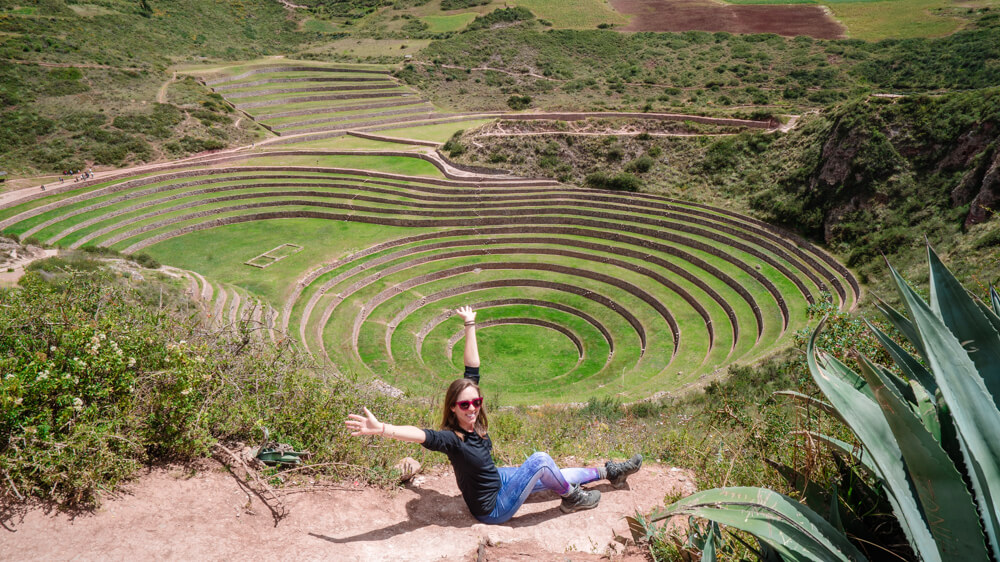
x=100, y=377
x=519, y=102
x=500, y=16
x=640, y=165
x=461, y=4
x=623, y=181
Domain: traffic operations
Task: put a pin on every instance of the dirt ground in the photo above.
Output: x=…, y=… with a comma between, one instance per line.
x=708, y=15
x=178, y=513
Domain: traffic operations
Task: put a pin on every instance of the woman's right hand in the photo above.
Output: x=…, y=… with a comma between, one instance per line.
x=466, y=314
x=363, y=425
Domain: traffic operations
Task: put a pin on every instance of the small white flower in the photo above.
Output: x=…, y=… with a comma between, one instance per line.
x=52, y=348
x=131, y=361
x=102, y=336
x=186, y=391
x=182, y=342
x=77, y=404
x=42, y=376
x=18, y=401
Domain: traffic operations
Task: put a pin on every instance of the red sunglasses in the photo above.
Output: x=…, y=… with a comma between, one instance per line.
x=464, y=404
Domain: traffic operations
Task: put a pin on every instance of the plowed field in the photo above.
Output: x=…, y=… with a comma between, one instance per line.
x=705, y=15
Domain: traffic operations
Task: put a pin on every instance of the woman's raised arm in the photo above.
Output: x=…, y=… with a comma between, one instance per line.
x=369, y=425
x=471, y=348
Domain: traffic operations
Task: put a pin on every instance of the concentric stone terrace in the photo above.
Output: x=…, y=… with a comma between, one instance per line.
x=580, y=292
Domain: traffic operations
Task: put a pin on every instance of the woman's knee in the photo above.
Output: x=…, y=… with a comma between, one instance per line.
x=540, y=459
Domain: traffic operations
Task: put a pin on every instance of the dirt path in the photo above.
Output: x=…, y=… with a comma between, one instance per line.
x=11, y=272
x=161, y=96
x=169, y=514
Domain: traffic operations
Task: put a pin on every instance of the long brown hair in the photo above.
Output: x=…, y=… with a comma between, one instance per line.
x=448, y=419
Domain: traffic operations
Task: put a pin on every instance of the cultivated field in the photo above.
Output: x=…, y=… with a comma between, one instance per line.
x=706, y=15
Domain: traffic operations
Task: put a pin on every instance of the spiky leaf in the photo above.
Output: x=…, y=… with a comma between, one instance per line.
x=973, y=410
x=946, y=502
x=907, y=363
x=868, y=423
x=796, y=532
x=966, y=321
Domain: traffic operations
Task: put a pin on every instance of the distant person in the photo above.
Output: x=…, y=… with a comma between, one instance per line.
x=43, y=187
x=493, y=494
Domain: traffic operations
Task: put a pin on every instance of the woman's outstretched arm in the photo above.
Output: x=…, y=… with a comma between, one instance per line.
x=369, y=425
x=471, y=348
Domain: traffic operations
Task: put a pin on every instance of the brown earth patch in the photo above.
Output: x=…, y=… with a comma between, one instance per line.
x=175, y=514
x=706, y=15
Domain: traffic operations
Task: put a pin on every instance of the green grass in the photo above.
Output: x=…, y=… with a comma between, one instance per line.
x=319, y=26
x=388, y=164
x=438, y=133
x=573, y=14
x=454, y=22
x=227, y=247
x=896, y=19
x=521, y=353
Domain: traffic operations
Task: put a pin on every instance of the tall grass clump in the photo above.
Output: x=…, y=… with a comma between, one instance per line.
x=929, y=434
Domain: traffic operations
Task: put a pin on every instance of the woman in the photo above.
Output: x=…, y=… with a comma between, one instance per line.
x=492, y=494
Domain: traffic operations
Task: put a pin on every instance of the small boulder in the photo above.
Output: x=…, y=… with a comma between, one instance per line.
x=408, y=467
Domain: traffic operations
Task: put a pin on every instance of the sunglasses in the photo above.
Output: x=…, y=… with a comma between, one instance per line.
x=464, y=404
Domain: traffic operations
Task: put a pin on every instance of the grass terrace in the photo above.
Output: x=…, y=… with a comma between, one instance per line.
x=595, y=280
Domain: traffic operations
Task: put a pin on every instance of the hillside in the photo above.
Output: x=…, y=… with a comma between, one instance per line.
x=240, y=221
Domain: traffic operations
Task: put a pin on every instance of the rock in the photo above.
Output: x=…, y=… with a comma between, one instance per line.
x=408, y=468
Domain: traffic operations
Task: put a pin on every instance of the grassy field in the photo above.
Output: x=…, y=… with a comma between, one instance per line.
x=445, y=23
x=439, y=133
x=873, y=20
x=228, y=247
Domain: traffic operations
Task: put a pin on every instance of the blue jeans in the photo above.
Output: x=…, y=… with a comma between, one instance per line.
x=537, y=473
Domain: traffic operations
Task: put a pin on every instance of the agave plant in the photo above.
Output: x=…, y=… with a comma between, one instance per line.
x=930, y=436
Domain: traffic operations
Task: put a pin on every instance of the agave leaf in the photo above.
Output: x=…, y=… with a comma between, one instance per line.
x=868, y=423
x=834, y=516
x=966, y=321
x=858, y=454
x=946, y=501
x=899, y=386
x=926, y=409
x=811, y=401
x=907, y=363
x=844, y=374
x=990, y=315
x=902, y=324
x=814, y=495
x=796, y=532
x=972, y=409
x=708, y=553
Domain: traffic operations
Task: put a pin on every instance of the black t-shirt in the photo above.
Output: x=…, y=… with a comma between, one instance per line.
x=475, y=472
x=472, y=460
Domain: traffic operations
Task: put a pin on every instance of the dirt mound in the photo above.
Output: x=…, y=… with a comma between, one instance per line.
x=706, y=15
x=173, y=514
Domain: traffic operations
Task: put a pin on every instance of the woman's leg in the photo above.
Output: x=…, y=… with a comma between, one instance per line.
x=537, y=473
x=574, y=476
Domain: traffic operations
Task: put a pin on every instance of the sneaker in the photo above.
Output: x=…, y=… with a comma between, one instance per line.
x=618, y=472
x=578, y=499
